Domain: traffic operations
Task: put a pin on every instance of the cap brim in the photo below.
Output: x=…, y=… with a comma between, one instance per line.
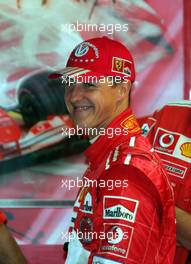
x=79, y=74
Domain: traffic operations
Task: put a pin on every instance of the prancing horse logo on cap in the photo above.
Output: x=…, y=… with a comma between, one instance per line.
x=81, y=50
x=118, y=64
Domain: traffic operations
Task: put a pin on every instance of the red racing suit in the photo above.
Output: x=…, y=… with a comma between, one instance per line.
x=169, y=131
x=124, y=212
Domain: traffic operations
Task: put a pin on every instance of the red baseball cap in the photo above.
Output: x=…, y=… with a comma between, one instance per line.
x=98, y=57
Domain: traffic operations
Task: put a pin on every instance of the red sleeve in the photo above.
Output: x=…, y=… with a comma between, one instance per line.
x=131, y=212
x=3, y=218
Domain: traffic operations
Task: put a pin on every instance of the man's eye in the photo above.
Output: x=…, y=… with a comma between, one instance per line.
x=88, y=85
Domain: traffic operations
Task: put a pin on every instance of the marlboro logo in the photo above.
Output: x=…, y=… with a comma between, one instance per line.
x=123, y=208
x=119, y=212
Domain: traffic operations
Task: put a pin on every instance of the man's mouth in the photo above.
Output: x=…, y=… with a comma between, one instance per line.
x=82, y=108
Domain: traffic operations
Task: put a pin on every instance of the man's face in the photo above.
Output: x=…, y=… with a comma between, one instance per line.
x=92, y=105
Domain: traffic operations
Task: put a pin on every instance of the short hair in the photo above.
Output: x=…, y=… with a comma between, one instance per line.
x=115, y=81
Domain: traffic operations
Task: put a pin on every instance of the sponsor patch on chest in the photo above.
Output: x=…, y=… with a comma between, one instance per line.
x=119, y=207
x=173, y=144
x=174, y=169
x=87, y=204
x=118, y=239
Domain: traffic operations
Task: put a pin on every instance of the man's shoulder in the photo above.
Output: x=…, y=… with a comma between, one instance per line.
x=137, y=145
x=173, y=116
x=137, y=152
x=175, y=106
x=170, y=110
x=180, y=103
x=140, y=166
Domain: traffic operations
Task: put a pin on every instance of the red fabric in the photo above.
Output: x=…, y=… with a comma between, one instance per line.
x=140, y=205
x=2, y=218
x=169, y=130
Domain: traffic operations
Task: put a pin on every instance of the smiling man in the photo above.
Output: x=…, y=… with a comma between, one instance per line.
x=133, y=222
x=100, y=105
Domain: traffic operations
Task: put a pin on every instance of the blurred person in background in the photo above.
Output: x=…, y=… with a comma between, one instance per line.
x=169, y=131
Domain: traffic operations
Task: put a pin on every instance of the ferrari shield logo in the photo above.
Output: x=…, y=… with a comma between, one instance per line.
x=118, y=64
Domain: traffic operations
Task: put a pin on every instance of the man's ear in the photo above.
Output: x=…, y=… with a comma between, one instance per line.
x=124, y=89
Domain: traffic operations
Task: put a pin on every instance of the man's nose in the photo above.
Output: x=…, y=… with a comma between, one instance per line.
x=77, y=93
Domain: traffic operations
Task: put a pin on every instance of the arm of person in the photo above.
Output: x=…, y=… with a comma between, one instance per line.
x=183, y=226
x=132, y=211
x=10, y=252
